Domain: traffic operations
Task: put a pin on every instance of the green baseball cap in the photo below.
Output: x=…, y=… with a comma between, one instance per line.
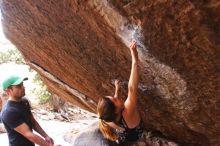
x=12, y=80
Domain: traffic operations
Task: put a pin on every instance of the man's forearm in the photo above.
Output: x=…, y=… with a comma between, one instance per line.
x=39, y=129
x=36, y=139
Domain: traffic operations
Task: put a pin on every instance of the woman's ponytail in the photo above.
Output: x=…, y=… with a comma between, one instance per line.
x=106, y=112
x=107, y=131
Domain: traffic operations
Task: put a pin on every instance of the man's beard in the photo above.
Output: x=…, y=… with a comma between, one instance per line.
x=22, y=95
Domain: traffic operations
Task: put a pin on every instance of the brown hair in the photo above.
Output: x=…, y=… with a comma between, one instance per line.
x=106, y=112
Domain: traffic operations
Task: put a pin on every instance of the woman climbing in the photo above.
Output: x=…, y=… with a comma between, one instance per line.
x=120, y=121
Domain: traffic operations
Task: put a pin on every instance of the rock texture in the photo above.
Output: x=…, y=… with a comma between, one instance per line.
x=80, y=46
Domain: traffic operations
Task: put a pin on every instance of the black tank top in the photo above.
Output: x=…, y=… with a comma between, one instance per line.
x=129, y=134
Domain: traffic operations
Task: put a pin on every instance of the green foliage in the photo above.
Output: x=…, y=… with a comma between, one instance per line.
x=11, y=55
x=41, y=92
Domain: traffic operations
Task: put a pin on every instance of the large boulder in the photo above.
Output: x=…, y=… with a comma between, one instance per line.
x=91, y=136
x=80, y=46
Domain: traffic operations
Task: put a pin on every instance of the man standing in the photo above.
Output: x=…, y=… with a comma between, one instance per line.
x=17, y=117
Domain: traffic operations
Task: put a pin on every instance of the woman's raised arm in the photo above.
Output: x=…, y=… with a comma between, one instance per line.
x=131, y=101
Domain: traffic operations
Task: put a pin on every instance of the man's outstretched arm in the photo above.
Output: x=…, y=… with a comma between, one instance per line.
x=24, y=130
x=40, y=130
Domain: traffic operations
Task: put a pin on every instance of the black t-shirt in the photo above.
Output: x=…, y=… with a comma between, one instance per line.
x=14, y=114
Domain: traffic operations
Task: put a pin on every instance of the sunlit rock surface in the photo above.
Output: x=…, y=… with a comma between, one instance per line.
x=80, y=46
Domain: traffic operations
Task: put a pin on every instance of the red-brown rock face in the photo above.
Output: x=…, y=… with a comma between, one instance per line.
x=80, y=46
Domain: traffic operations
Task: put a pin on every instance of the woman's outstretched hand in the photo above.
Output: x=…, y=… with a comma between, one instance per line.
x=117, y=84
x=117, y=87
x=133, y=49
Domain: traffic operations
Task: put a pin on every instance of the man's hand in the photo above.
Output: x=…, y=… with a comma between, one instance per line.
x=55, y=145
x=49, y=140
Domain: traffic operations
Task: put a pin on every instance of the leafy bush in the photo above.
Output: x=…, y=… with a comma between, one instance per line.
x=11, y=55
x=41, y=91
